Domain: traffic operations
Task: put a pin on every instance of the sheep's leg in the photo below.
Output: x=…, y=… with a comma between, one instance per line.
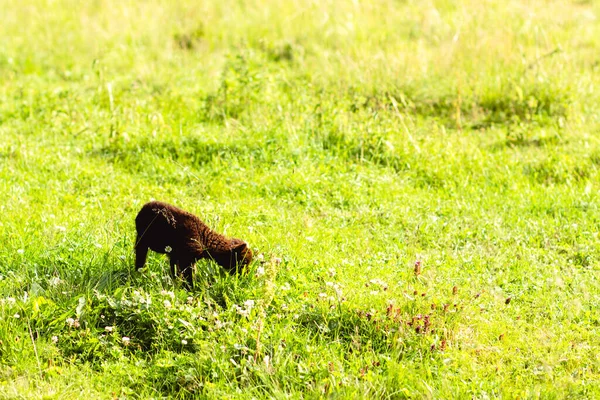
x=173, y=264
x=141, y=252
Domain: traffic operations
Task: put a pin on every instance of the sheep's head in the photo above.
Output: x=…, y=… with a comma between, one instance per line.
x=238, y=253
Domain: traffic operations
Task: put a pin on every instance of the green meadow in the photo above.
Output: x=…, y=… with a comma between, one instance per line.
x=419, y=179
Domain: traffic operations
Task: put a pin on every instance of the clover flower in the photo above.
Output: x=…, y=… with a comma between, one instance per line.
x=72, y=323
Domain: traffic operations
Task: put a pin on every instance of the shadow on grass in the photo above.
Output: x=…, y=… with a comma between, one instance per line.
x=512, y=102
x=141, y=155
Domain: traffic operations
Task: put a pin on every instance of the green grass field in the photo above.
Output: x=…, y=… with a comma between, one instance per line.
x=346, y=141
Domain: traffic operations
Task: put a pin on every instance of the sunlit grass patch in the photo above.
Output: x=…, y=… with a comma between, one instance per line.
x=419, y=180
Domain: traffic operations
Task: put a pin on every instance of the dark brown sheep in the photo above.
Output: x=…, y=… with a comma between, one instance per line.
x=167, y=229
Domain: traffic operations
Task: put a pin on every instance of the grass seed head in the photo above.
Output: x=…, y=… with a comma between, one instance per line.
x=418, y=268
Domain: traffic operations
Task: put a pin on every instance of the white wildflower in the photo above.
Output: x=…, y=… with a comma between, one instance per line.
x=285, y=286
x=249, y=304
x=184, y=342
x=72, y=323
x=55, y=339
x=242, y=311
x=108, y=328
x=20, y=251
x=168, y=249
x=60, y=228
x=17, y=316
x=260, y=271
x=125, y=340
x=337, y=289
x=55, y=281
x=167, y=303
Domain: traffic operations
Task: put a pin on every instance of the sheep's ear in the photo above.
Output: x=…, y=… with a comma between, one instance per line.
x=243, y=250
x=241, y=247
